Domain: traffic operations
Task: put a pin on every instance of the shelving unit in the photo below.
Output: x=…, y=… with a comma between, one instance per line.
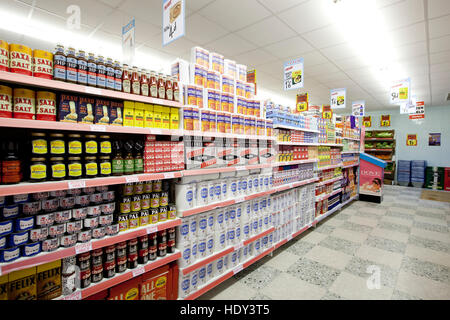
x=374, y=139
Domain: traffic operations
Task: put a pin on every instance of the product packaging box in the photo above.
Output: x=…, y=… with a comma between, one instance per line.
x=148, y=116
x=138, y=119
x=193, y=152
x=128, y=290
x=198, y=75
x=4, y=287
x=115, y=113
x=86, y=110
x=174, y=119
x=101, y=113
x=236, y=149
x=180, y=69
x=216, y=62
x=68, y=108
x=244, y=151
x=209, y=153
x=165, y=117
x=156, y=285
x=128, y=114
x=200, y=56
x=22, y=285
x=157, y=116
x=49, y=280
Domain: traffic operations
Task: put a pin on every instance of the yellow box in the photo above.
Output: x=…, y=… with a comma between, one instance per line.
x=174, y=119
x=22, y=285
x=49, y=280
x=4, y=287
x=148, y=116
x=139, y=114
x=165, y=109
x=128, y=114
x=165, y=120
x=157, y=116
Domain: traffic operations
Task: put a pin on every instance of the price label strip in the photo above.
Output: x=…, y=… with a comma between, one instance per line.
x=98, y=128
x=238, y=246
x=240, y=199
x=73, y=296
x=131, y=179
x=152, y=229
x=138, y=271
x=169, y=175
x=82, y=248
x=238, y=269
x=76, y=184
x=93, y=90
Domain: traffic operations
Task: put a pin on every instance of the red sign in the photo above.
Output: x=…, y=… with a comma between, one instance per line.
x=420, y=111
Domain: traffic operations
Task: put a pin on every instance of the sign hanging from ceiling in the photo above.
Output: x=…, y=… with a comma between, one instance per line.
x=367, y=121
x=327, y=113
x=385, y=120
x=128, y=42
x=337, y=98
x=173, y=20
x=400, y=91
x=411, y=140
x=407, y=108
x=358, y=108
x=302, y=102
x=420, y=111
x=293, y=74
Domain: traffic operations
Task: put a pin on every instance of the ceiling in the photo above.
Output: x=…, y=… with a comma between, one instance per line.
x=265, y=33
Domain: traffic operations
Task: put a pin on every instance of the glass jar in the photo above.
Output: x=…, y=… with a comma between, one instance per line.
x=153, y=85
x=58, y=169
x=39, y=143
x=105, y=166
x=126, y=79
x=105, y=145
x=57, y=144
x=74, y=168
x=161, y=86
x=90, y=167
x=176, y=89
x=74, y=145
x=169, y=88
x=38, y=170
x=144, y=83
x=90, y=144
x=135, y=81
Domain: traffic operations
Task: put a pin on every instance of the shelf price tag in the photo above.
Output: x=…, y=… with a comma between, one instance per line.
x=152, y=229
x=84, y=247
x=131, y=179
x=289, y=238
x=76, y=184
x=238, y=269
x=238, y=246
x=239, y=168
x=169, y=175
x=73, y=296
x=156, y=131
x=98, y=128
x=240, y=199
x=138, y=271
x=92, y=90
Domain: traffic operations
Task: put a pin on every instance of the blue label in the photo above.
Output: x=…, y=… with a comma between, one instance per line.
x=244, y=185
x=239, y=186
x=194, y=280
x=248, y=208
x=256, y=182
x=260, y=222
x=261, y=179
x=101, y=79
x=265, y=240
x=271, y=238
x=204, y=193
x=222, y=238
x=238, y=212
x=218, y=190
x=220, y=218
x=257, y=245
x=189, y=196
x=184, y=229
x=202, y=246
x=59, y=68
x=250, y=183
x=210, y=243
x=211, y=192
x=186, y=253
x=118, y=79
x=233, y=256
x=72, y=69
x=210, y=221
x=185, y=284
x=224, y=189
x=209, y=268
x=219, y=264
x=202, y=224
x=202, y=273
x=255, y=207
x=233, y=187
x=92, y=74
x=238, y=232
x=194, y=249
x=193, y=226
x=255, y=225
x=82, y=72
x=110, y=82
x=232, y=214
x=260, y=205
x=246, y=229
x=266, y=221
x=271, y=181
x=266, y=181
x=245, y=251
x=231, y=234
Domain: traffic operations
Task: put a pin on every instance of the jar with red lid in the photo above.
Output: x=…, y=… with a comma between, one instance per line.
x=135, y=81
x=143, y=250
x=152, y=252
x=162, y=249
x=153, y=85
x=152, y=239
x=110, y=253
x=121, y=264
x=162, y=236
x=85, y=278
x=109, y=268
x=171, y=246
x=169, y=88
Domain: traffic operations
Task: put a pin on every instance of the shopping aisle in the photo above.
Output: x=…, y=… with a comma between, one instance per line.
x=406, y=237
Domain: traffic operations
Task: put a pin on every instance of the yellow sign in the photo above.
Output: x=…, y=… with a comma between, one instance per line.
x=302, y=102
x=367, y=121
x=403, y=93
x=385, y=120
x=411, y=140
x=327, y=113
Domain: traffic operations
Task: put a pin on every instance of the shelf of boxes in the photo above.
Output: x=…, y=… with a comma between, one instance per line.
x=329, y=181
x=339, y=206
x=294, y=184
x=194, y=172
x=122, y=277
x=41, y=258
x=326, y=196
x=81, y=89
x=283, y=126
x=292, y=236
x=225, y=135
x=330, y=167
x=350, y=165
x=287, y=143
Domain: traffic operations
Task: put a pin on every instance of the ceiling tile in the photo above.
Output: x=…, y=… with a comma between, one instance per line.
x=254, y=58
x=441, y=67
x=351, y=63
x=340, y=51
x=403, y=14
x=335, y=76
x=440, y=44
x=295, y=46
x=150, y=11
x=267, y=31
x=437, y=8
x=275, y=69
x=278, y=6
x=234, y=14
x=178, y=46
x=197, y=4
x=230, y=45
x=440, y=57
x=111, y=3
x=408, y=35
x=313, y=58
x=325, y=37
x=307, y=16
x=439, y=27
x=202, y=30
x=384, y=3
x=411, y=50
x=320, y=69
x=16, y=8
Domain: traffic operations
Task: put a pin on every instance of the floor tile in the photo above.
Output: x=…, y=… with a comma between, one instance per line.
x=348, y=225
x=364, y=221
x=429, y=209
x=386, y=244
x=421, y=287
x=329, y=257
x=333, y=222
x=394, y=227
x=342, y=216
x=398, y=295
x=429, y=244
x=282, y=260
x=314, y=237
x=431, y=235
x=364, y=214
x=359, y=267
x=331, y=296
x=314, y=272
x=401, y=209
x=299, y=248
x=348, y=247
x=354, y=236
x=426, y=269
x=390, y=234
x=231, y=289
x=438, y=221
x=260, y=296
x=257, y=279
x=400, y=215
x=323, y=228
x=353, y=287
x=391, y=259
x=400, y=221
x=431, y=227
x=288, y=287
x=377, y=211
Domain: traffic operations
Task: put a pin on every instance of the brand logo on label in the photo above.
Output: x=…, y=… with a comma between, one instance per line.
x=204, y=193
x=185, y=284
x=202, y=246
x=202, y=224
x=210, y=243
x=184, y=229
x=210, y=221
x=222, y=238
x=233, y=187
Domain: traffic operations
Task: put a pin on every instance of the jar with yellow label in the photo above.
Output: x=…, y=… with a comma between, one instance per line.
x=57, y=144
x=39, y=143
x=90, y=167
x=74, y=168
x=38, y=170
x=105, y=145
x=74, y=144
x=58, y=168
x=105, y=166
x=90, y=144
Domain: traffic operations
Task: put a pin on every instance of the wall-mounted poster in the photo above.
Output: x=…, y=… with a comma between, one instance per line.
x=434, y=139
x=385, y=120
x=411, y=140
x=367, y=121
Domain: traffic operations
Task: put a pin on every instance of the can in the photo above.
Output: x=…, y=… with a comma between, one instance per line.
x=85, y=236
x=68, y=240
x=195, y=119
x=97, y=273
x=162, y=214
x=227, y=120
x=4, y=56
x=212, y=121
x=24, y=104
x=112, y=229
x=73, y=227
x=172, y=211
x=42, y=64
x=45, y=106
x=20, y=59
x=205, y=121
x=6, y=104
x=157, y=185
x=187, y=118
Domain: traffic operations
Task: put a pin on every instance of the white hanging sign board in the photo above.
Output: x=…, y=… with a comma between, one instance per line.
x=400, y=91
x=420, y=111
x=407, y=108
x=173, y=20
x=337, y=98
x=293, y=74
x=358, y=108
x=128, y=42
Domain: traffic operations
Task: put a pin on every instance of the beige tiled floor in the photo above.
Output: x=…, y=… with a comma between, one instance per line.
x=407, y=239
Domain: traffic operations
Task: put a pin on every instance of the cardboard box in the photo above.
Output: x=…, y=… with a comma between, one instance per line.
x=138, y=119
x=49, y=280
x=157, y=116
x=86, y=110
x=165, y=117
x=102, y=295
x=128, y=114
x=4, y=287
x=101, y=114
x=68, y=108
x=156, y=285
x=209, y=154
x=128, y=290
x=174, y=119
x=115, y=113
x=148, y=116
x=180, y=69
x=22, y=285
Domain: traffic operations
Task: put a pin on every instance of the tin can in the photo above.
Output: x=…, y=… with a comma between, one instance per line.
x=24, y=104
x=97, y=273
x=20, y=59
x=205, y=121
x=227, y=121
x=42, y=64
x=6, y=102
x=45, y=106
x=4, y=56
x=212, y=121
x=195, y=119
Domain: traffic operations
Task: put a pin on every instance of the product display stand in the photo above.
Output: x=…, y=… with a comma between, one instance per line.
x=381, y=144
x=371, y=178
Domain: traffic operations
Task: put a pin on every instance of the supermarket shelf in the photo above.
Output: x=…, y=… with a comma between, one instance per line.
x=389, y=172
x=285, y=126
x=28, y=187
x=350, y=152
x=218, y=280
x=350, y=165
x=349, y=200
x=331, y=144
x=23, y=263
x=291, y=163
x=224, y=252
x=330, y=180
x=339, y=206
x=379, y=139
x=379, y=150
x=294, y=184
x=70, y=87
x=288, y=143
x=326, y=196
x=226, y=135
x=226, y=169
x=290, y=237
x=330, y=167
x=129, y=274
x=347, y=138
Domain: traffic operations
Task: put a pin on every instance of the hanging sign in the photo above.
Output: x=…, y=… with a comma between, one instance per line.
x=337, y=98
x=411, y=140
x=293, y=74
x=358, y=108
x=367, y=121
x=327, y=113
x=400, y=91
x=128, y=42
x=420, y=111
x=385, y=120
x=173, y=20
x=302, y=102
x=407, y=108
x=251, y=77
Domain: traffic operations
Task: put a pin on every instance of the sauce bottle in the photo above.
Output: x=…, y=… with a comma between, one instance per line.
x=161, y=86
x=153, y=85
x=126, y=79
x=176, y=89
x=144, y=83
x=117, y=161
x=169, y=88
x=138, y=159
x=59, y=63
x=101, y=72
x=135, y=81
x=110, y=74
x=82, y=68
x=72, y=66
x=10, y=164
x=117, y=76
x=129, y=160
x=92, y=71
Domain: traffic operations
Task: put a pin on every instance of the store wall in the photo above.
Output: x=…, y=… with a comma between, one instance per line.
x=437, y=120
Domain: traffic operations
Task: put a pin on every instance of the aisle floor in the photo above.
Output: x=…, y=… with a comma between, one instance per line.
x=404, y=240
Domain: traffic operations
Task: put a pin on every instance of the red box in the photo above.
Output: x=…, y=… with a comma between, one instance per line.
x=128, y=290
x=447, y=179
x=156, y=284
x=102, y=295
